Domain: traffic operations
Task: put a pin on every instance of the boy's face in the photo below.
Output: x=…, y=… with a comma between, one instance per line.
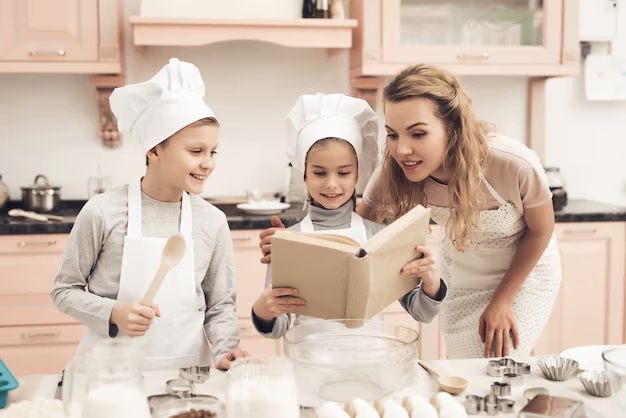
x=187, y=158
x=331, y=174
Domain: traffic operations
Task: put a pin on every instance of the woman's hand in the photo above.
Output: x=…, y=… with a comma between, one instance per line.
x=274, y=302
x=424, y=267
x=496, y=326
x=266, y=239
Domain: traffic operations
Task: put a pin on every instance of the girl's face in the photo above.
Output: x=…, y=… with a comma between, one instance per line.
x=416, y=138
x=331, y=174
x=187, y=158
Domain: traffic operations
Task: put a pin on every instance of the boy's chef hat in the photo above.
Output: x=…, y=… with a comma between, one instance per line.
x=318, y=116
x=156, y=109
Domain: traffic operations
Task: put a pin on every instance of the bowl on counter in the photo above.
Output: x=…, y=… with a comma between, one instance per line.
x=339, y=360
x=615, y=368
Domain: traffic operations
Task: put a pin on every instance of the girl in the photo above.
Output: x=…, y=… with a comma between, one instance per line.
x=333, y=141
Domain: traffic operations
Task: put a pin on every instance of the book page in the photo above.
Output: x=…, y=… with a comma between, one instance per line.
x=332, y=237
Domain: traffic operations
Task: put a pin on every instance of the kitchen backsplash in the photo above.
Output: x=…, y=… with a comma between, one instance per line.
x=48, y=122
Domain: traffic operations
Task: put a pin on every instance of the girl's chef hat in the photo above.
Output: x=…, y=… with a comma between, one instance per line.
x=156, y=109
x=318, y=116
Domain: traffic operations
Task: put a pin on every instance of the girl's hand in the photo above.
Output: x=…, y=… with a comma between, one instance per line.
x=425, y=267
x=274, y=302
x=496, y=327
x=266, y=239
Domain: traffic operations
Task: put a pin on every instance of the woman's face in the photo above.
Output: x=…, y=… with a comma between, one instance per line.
x=416, y=138
x=331, y=174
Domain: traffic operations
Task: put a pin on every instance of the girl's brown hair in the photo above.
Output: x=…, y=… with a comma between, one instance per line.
x=466, y=151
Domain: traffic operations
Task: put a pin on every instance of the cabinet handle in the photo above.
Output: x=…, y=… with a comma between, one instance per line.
x=589, y=231
x=246, y=238
x=34, y=243
x=479, y=56
x=28, y=336
x=59, y=52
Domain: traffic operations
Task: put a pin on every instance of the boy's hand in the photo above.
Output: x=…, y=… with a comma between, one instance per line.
x=274, y=302
x=225, y=362
x=266, y=239
x=425, y=267
x=133, y=318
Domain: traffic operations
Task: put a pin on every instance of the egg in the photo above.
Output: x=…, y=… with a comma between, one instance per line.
x=359, y=408
x=332, y=410
x=440, y=399
x=419, y=407
x=389, y=408
x=453, y=411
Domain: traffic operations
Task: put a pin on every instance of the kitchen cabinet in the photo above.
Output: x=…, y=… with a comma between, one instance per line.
x=504, y=37
x=34, y=336
x=590, y=305
x=66, y=36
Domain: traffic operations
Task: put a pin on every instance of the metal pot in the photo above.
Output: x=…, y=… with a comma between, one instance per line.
x=41, y=197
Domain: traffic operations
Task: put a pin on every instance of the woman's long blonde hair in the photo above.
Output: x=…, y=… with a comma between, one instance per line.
x=466, y=151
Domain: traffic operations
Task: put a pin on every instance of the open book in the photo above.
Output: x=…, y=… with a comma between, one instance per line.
x=340, y=279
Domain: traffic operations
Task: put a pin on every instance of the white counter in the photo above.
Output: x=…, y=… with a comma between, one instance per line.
x=473, y=370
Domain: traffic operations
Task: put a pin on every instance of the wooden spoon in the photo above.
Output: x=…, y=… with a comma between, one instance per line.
x=173, y=253
x=33, y=215
x=451, y=384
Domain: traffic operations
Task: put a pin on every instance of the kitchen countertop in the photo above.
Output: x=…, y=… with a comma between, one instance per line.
x=575, y=211
x=474, y=370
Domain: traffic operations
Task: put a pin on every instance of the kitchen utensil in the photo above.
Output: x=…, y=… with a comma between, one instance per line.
x=203, y=406
x=338, y=360
x=532, y=392
x=35, y=216
x=498, y=368
x=474, y=404
x=506, y=406
x=596, y=383
x=501, y=389
x=557, y=368
x=41, y=197
x=513, y=379
x=173, y=253
x=7, y=382
x=546, y=406
x=492, y=404
x=196, y=374
x=615, y=368
x=451, y=384
x=182, y=388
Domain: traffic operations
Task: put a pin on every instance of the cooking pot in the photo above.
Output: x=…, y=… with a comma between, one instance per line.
x=41, y=197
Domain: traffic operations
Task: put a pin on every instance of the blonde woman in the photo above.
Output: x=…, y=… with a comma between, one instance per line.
x=499, y=256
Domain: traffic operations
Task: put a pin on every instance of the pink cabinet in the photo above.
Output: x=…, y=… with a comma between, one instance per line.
x=34, y=336
x=495, y=37
x=590, y=306
x=60, y=36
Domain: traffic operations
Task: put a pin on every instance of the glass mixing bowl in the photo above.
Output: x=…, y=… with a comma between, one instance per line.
x=615, y=367
x=338, y=360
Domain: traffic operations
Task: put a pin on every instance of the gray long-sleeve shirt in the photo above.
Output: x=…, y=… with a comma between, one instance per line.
x=93, y=258
x=417, y=303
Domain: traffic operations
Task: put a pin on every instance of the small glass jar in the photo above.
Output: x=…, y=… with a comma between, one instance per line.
x=262, y=387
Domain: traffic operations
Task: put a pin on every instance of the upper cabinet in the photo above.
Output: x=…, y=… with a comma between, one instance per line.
x=60, y=36
x=507, y=37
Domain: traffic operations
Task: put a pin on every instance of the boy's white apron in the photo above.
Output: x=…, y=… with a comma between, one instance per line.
x=473, y=275
x=176, y=339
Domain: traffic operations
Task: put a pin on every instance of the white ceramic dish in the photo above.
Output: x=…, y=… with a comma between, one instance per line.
x=263, y=208
x=589, y=357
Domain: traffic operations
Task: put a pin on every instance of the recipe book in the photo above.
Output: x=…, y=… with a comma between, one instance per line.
x=340, y=279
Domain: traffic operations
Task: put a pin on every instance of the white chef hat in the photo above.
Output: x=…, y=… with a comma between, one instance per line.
x=318, y=116
x=156, y=109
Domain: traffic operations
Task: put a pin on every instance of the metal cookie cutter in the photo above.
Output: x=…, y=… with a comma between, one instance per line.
x=523, y=368
x=492, y=405
x=197, y=374
x=498, y=368
x=182, y=388
x=513, y=379
x=500, y=389
x=506, y=405
x=474, y=404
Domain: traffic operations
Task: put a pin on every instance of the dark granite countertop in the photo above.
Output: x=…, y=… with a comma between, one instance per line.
x=574, y=211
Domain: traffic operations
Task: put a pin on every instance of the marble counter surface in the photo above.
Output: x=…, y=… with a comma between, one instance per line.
x=574, y=211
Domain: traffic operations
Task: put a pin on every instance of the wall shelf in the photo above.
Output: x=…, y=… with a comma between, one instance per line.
x=297, y=33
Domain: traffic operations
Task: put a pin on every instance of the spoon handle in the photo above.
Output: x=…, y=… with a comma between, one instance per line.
x=148, y=298
x=429, y=370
